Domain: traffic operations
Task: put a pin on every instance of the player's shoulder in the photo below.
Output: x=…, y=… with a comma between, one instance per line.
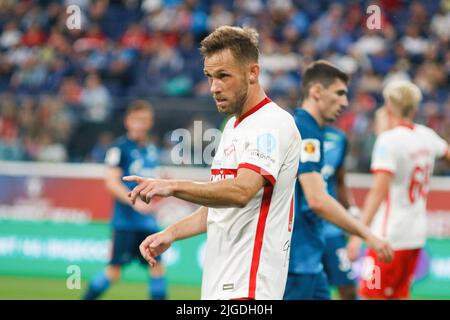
x=116, y=151
x=230, y=123
x=399, y=132
x=273, y=109
x=390, y=134
x=121, y=142
x=273, y=116
x=307, y=125
x=421, y=129
x=333, y=133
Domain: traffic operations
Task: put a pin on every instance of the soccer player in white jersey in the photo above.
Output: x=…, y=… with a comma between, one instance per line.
x=247, y=206
x=395, y=207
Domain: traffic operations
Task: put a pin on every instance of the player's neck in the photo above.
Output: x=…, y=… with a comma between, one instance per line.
x=139, y=140
x=253, y=99
x=403, y=122
x=312, y=109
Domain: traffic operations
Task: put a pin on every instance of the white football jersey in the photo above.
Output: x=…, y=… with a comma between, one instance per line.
x=409, y=153
x=247, y=249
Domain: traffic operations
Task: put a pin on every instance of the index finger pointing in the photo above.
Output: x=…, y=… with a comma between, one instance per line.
x=133, y=178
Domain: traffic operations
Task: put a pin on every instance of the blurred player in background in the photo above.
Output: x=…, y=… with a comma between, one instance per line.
x=324, y=90
x=247, y=207
x=335, y=261
x=131, y=154
x=395, y=207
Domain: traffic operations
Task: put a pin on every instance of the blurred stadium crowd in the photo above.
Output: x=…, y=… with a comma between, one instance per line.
x=57, y=84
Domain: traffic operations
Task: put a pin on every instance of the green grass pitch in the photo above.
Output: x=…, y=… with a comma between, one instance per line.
x=31, y=288
x=24, y=288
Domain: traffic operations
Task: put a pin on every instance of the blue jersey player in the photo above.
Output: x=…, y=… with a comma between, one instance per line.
x=335, y=261
x=132, y=154
x=324, y=90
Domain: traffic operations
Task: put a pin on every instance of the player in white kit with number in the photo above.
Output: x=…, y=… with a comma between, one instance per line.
x=247, y=207
x=248, y=248
x=402, y=162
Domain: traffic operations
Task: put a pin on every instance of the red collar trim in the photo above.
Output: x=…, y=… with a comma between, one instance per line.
x=407, y=125
x=261, y=104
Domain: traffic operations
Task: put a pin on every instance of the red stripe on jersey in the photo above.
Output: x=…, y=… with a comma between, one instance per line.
x=387, y=210
x=224, y=172
x=382, y=170
x=263, y=212
x=291, y=214
x=261, y=104
x=259, y=170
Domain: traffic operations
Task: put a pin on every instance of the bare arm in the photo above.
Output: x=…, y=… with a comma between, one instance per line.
x=376, y=195
x=446, y=157
x=236, y=192
x=344, y=195
x=114, y=184
x=329, y=208
x=157, y=243
x=189, y=226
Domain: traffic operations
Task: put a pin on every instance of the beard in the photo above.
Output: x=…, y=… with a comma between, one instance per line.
x=236, y=105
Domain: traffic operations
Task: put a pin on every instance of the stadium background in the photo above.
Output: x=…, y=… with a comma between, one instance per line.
x=63, y=93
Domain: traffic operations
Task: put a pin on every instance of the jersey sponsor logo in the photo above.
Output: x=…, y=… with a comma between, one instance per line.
x=256, y=153
x=266, y=143
x=113, y=156
x=222, y=174
x=310, y=150
x=229, y=150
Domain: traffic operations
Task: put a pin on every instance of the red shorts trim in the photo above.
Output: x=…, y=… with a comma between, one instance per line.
x=392, y=280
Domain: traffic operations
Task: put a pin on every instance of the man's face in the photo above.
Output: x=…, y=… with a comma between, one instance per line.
x=333, y=100
x=138, y=123
x=227, y=80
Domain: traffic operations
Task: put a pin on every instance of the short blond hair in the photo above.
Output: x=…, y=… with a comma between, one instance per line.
x=404, y=96
x=138, y=105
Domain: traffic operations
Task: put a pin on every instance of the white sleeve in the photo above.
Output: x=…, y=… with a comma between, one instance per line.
x=384, y=155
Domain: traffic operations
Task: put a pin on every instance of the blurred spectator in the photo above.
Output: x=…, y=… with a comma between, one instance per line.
x=100, y=148
x=10, y=36
x=49, y=149
x=34, y=36
x=31, y=77
x=149, y=48
x=95, y=99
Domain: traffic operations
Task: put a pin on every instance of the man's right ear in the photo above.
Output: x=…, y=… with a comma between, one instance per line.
x=254, y=73
x=315, y=91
